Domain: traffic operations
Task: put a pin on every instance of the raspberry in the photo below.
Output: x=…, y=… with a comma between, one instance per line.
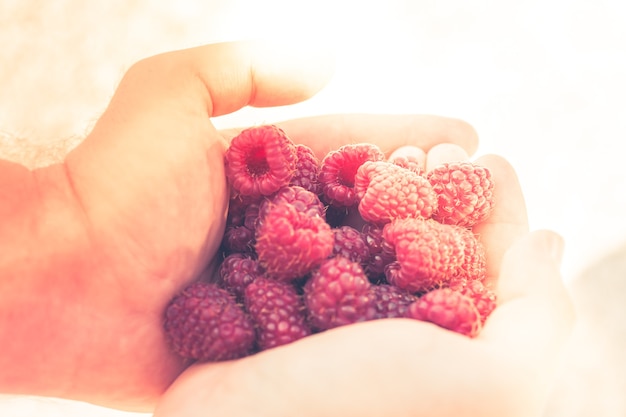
x=337, y=294
x=448, y=309
x=338, y=169
x=428, y=253
x=289, y=244
x=307, y=170
x=465, y=193
x=237, y=239
x=409, y=162
x=474, y=265
x=204, y=322
x=484, y=298
x=388, y=302
x=350, y=244
x=260, y=160
x=389, y=192
x=277, y=311
x=302, y=199
x=237, y=271
x=381, y=252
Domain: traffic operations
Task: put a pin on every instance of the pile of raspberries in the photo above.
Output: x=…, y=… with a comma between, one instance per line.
x=312, y=245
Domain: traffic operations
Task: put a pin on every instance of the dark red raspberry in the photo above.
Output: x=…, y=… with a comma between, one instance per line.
x=337, y=294
x=381, y=252
x=428, y=253
x=389, y=192
x=389, y=302
x=350, y=244
x=278, y=312
x=237, y=271
x=448, y=309
x=289, y=243
x=465, y=193
x=338, y=170
x=238, y=239
x=260, y=160
x=307, y=170
x=204, y=322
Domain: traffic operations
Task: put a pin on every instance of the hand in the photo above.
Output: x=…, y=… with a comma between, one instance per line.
x=138, y=210
x=409, y=368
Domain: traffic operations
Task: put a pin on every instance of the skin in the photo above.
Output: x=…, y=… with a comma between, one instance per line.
x=97, y=246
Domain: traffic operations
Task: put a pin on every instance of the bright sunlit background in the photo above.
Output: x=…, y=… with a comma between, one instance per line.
x=543, y=82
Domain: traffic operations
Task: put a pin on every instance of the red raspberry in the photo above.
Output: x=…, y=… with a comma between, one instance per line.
x=237, y=271
x=428, y=253
x=465, y=193
x=260, y=160
x=338, y=169
x=350, y=244
x=389, y=192
x=307, y=170
x=381, y=252
x=289, y=244
x=204, y=322
x=483, y=297
x=337, y=294
x=389, y=302
x=278, y=312
x=302, y=199
x=448, y=309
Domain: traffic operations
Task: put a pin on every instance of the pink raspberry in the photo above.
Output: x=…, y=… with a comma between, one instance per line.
x=409, y=162
x=448, y=309
x=381, y=252
x=350, y=244
x=474, y=265
x=484, y=298
x=337, y=294
x=338, y=170
x=260, y=160
x=277, y=311
x=237, y=271
x=389, y=192
x=289, y=243
x=465, y=193
x=303, y=200
x=204, y=322
x=428, y=253
x=389, y=302
x=307, y=170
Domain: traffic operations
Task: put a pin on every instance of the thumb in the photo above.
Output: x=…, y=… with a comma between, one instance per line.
x=536, y=313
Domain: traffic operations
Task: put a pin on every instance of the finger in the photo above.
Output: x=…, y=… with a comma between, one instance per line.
x=536, y=314
x=389, y=132
x=509, y=220
x=159, y=114
x=445, y=152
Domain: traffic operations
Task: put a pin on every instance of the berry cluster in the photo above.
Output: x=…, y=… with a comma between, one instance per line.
x=311, y=245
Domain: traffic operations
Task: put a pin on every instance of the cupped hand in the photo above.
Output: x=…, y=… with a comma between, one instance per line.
x=140, y=208
x=402, y=367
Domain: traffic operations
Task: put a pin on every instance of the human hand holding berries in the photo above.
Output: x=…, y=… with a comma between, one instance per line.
x=400, y=367
x=137, y=211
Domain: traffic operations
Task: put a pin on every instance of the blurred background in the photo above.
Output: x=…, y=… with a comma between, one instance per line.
x=543, y=82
